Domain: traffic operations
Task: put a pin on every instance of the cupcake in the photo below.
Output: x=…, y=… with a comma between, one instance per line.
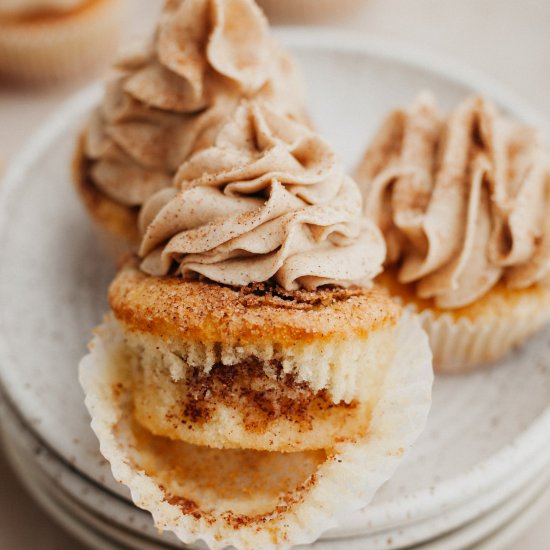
x=250, y=385
x=169, y=97
x=48, y=40
x=462, y=201
x=309, y=11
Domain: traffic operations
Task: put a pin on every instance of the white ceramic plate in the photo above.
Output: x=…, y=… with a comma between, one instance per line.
x=483, y=428
x=110, y=516
x=488, y=532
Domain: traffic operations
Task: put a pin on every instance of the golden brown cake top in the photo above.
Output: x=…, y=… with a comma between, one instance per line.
x=463, y=199
x=173, y=308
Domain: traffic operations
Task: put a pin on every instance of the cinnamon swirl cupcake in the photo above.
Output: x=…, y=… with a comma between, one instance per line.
x=463, y=202
x=169, y=97
x=48, y=40
x=249, y=366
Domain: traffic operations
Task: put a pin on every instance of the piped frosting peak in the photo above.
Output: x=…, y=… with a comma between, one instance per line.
x=268, y=201
x=170, y=95
x=463, y=200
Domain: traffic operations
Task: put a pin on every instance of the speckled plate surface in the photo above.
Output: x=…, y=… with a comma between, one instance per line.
x=484, y=429
x=55, y=488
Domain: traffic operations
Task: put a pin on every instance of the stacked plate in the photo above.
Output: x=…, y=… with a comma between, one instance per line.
x=480, y=471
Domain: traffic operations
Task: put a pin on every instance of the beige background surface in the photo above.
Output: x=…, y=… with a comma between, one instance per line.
x=508, y=39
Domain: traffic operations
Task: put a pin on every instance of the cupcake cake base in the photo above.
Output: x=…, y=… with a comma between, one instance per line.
x=247, y=498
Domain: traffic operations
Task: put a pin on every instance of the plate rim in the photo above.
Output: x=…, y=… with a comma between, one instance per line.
x=543, y=493
x=50, y=466
x=526, y=442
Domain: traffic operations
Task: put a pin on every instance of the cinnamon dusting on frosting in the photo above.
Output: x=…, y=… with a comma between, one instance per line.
x=172, y=308
x=268, y=201
x=463, y=200
x=30, y=8
x=170, y=95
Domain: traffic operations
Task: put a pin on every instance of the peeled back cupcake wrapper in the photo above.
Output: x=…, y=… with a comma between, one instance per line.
x=252, y=499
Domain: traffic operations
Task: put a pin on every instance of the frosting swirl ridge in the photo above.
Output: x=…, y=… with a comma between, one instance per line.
x=268, y=201
x=463, y=200
x=170, y=95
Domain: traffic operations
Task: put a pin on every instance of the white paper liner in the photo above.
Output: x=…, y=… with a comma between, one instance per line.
x=463, y=344
x=345, y=482
x=63, y=49
x=308, y=10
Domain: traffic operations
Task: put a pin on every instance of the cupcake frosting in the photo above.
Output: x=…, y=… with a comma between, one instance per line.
x=171, y=95
x=24, y=7
x=268, y=201
x=463, y=200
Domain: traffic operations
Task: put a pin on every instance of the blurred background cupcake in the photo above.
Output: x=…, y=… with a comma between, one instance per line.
x=51, y=40
x=308, y=11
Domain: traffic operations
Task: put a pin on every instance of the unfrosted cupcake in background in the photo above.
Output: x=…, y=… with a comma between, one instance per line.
x=464, y=204
x=309, y=11
x=49, y=40
x=251, y=386
x=169, y=97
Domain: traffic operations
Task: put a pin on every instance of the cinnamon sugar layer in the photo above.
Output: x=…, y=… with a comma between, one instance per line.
x=176, y=309
x=249, y=405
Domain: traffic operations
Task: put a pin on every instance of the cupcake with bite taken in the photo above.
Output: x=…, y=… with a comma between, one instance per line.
x=168, y=98
x=463, y=203
x=251, y=385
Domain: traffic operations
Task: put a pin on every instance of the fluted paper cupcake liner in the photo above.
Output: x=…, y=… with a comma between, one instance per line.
x=344, y=481
x=65, y=48
x=462, y=344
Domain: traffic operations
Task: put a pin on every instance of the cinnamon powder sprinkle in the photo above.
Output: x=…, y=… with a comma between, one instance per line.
x=246, y=387
x=172, y=308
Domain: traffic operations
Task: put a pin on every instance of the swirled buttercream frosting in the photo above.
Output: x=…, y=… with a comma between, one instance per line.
x=170, y=96
x=463, y=200
x=268, y=201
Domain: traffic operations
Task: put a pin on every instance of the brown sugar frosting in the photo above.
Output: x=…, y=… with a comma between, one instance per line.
x=269, y=201
x=462, y=200
x=170, y=95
